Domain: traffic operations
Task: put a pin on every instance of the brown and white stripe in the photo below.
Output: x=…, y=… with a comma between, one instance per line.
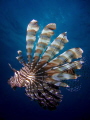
x=43, y=41
x=54, y=48
x=65, y=57
x=32, y=28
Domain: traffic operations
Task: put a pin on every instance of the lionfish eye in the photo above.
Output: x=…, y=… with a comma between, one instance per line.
x=46, y=71
x=14, y=88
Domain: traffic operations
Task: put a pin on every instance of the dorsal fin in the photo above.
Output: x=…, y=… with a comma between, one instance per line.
x=66, y=69
x=43, y=41
x=64, y=72
x=32, y=28
x=20, y=58
x=65, y=57
x=53, y=49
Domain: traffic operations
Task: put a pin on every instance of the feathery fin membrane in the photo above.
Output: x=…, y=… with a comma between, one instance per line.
x=53, y=49
x=32, y=28
x=20, y=58
x=43, y=41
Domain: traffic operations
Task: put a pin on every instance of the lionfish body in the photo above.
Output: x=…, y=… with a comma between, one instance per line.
x=43, y=74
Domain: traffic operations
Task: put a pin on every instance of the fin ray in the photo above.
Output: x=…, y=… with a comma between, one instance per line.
x=32, y=28
x=65, y=57
x=43, y=41
x=53, y=49
x=20, y=58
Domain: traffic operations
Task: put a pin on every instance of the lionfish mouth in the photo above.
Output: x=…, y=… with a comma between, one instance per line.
x=44, y=74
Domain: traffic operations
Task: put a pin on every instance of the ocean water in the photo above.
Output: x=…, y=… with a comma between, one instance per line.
x=72, y=16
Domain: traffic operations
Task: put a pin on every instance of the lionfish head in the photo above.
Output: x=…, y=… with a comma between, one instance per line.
x=13, y=81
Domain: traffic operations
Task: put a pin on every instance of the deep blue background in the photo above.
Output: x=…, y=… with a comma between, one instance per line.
x=72, y=16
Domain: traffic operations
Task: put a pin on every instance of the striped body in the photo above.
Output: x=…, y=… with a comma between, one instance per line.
x=43, y=75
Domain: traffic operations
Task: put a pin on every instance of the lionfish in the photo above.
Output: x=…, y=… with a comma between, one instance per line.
x=44, y=73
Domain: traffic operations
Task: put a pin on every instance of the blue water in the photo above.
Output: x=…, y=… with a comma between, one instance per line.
x=72, y=16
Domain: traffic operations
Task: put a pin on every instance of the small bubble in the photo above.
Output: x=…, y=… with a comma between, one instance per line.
x=75, y=85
